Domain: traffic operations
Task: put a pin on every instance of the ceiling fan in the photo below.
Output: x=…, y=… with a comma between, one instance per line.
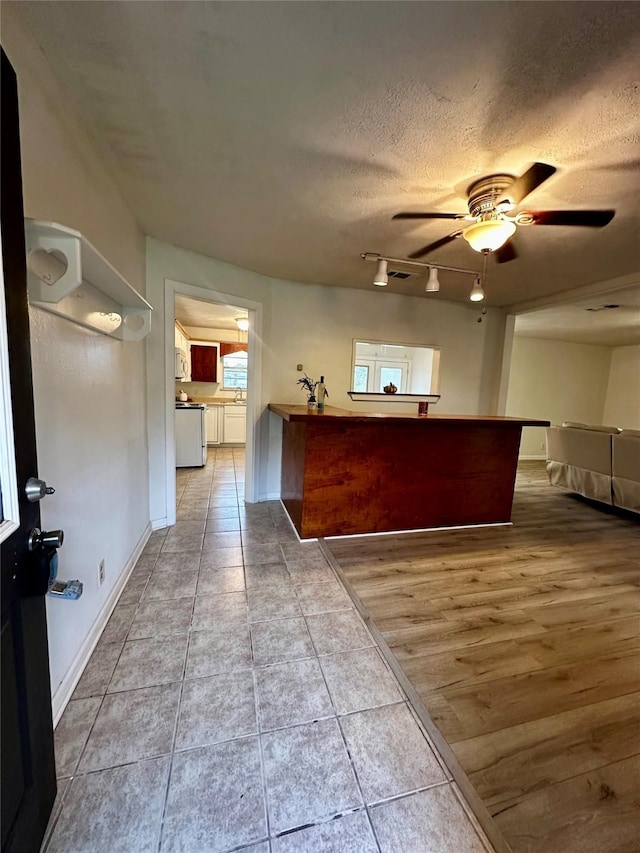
x=490, y=201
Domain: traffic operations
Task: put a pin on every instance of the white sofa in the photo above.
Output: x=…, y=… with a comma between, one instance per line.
x=601, y=463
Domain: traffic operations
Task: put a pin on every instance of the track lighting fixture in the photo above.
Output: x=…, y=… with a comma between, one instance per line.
x=432, y=285
x=381, y=279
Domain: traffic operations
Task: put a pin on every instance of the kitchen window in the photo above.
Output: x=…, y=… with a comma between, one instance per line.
x=234, y=370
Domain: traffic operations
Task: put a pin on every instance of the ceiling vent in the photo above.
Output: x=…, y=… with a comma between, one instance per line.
x=602, y=307
x=398, y=274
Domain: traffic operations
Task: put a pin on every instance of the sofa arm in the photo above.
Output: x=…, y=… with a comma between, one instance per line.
x=626, y=470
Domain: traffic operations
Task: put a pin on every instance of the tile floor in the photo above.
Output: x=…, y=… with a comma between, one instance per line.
x=236, y=701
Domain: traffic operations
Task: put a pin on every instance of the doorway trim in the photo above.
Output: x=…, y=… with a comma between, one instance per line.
x=10, y=511
x=254, y=384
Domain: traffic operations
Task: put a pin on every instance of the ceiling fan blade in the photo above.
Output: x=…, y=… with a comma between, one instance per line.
x=529, y=181
x=433, y=246
x=585, y=218
x=430, y=216
x=506, y=253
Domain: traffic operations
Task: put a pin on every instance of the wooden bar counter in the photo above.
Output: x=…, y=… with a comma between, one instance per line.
x=357, y=472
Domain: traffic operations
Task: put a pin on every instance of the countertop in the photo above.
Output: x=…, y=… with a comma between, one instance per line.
x=331, y=413
x=211, y=401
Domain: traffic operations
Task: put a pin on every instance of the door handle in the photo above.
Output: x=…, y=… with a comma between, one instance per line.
x=45, y=539
x=36, y=489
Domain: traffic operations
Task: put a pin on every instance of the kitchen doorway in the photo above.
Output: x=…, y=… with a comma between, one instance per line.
x=207, y=316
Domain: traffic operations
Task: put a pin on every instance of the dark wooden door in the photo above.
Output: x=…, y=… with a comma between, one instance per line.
x=204, y=363
x=28, y=768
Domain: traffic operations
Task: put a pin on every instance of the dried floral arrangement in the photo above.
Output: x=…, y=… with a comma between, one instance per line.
x=308, y=384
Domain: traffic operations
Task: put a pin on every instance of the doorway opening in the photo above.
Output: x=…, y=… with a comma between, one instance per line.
x=213, y=359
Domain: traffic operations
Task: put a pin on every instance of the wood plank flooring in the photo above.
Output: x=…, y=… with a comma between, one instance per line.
x=523, y=645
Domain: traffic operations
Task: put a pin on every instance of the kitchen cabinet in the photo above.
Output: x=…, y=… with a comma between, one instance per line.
x=214, y=425
x=234, y=424
x=181, y=340
x=182, y=344
x=204, y=363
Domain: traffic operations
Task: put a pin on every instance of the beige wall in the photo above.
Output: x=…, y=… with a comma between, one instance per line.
x=622, y=404
x=556, y=381
x=89, y=389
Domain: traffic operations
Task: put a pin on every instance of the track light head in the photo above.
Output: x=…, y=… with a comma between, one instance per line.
x=432, y=285
x=381, y=278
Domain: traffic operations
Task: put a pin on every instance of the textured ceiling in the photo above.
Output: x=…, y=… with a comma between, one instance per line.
x=283, y=136
x=207, y=315
x=577, y=322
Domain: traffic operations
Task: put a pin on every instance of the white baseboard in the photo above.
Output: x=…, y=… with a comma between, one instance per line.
x=539, y=457
x=68, y=684
x=159, y=523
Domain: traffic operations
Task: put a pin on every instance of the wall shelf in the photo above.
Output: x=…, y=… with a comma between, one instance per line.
x=66, y=275
x=370, y=397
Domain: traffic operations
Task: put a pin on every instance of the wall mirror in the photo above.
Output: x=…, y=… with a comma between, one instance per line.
x=412, y=369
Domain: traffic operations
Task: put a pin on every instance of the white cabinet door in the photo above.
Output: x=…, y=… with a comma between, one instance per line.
x=213, y=424
x=235, y=424
x=187, y=347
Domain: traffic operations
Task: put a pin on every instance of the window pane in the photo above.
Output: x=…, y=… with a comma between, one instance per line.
x=234, y=370
x=360, y=377
x=234, y=378
x=389, y=375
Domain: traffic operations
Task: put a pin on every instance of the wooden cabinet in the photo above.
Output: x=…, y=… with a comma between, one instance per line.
x=204, y=363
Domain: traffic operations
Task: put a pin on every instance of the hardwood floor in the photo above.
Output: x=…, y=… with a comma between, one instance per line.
x=523, y=645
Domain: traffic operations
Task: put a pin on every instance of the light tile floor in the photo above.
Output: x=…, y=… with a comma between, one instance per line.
x=236, y=701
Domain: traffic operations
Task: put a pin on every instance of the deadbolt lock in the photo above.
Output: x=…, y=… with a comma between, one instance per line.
x=37, y=489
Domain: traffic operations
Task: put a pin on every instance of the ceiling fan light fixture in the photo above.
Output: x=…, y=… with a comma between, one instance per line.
x=477, y=293
x=432, y=285
x=242, y=323
x=381, y=278
x=489, y=234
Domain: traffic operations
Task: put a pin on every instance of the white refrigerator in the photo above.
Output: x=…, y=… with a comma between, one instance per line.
x=191, y=436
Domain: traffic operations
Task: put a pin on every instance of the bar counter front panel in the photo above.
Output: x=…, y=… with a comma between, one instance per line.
x=345, y=473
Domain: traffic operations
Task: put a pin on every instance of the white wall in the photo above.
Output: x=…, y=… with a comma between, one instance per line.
x=315, y=326
x=89, y=390
x=558, y=382
x=622, y=404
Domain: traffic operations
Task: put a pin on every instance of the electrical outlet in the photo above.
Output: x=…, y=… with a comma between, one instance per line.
x=100, y=572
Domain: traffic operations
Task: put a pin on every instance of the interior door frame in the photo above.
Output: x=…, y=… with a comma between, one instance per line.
x=8, y=476
x=254, y=385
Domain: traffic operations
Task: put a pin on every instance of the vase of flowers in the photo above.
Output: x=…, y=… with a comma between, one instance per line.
x=309, y=385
